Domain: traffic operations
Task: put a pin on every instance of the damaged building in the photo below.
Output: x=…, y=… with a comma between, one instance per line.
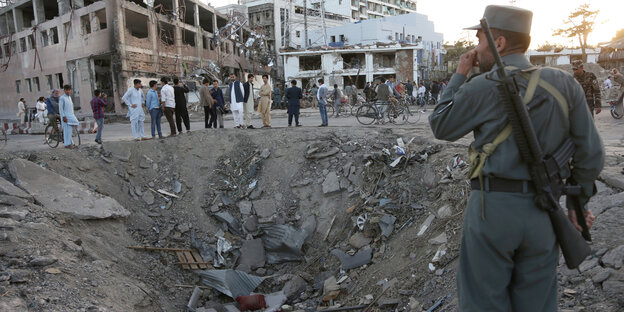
x=348, y=65
x=106, y=44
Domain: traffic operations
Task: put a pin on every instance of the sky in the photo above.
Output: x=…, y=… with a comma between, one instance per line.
x=450, y=16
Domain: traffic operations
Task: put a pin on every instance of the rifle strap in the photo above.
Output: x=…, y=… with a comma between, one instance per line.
x=477, y=159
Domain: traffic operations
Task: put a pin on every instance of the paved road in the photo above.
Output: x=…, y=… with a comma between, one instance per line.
x=611, y=130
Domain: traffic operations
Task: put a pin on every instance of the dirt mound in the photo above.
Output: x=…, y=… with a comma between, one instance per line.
x=325, y=218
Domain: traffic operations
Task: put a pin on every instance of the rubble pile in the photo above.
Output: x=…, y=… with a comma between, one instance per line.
x=304, y=221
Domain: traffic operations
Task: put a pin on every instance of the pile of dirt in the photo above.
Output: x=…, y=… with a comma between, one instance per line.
x=322, y=219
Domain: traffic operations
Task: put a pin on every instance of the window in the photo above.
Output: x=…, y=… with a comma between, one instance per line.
x=28, y=85
x=85, y=24
x=333, y=38
x=18, y=86
x=31, y=42
x=49, y=82
x=36, y=83
x=342, y=38
x=99, y=20
x=137, y=24
x=54, y=38
x=59, y=80
x=7, y=49
x=44, y=38
x=23, y=47
x=298, y=34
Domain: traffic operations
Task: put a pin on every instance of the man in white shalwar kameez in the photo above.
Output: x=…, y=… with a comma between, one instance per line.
x=68, y=119
x=135, y=99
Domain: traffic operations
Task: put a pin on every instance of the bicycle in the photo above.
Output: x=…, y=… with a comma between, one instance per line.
x=368, y=113
x=53, y=135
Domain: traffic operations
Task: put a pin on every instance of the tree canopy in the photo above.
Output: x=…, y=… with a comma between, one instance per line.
x=580, y=23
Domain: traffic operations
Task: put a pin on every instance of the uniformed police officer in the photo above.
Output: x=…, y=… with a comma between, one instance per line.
x=590, y=85
x=509, y=255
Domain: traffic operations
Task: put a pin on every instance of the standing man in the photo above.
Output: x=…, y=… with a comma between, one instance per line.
x=409, y=88
x=367, y=93
x=321, y=96
x=154, y=109
x=383, y=99
x=97, y=106
x=264, y=107
x=354, y=92
x=135, y=99
x=277, y=96
x=509, y=254
x=167, y=99
x=21, y=110
x=217, y=97
x=249, y=100
x=294, y=95
x=235, y=94
x=181, y=112
x=590, y=85
x=206, y=100
x=394, y=94
x=337, y=100
x=435, y=91
x=68, y=119
x=421, y=94
x=313, y=92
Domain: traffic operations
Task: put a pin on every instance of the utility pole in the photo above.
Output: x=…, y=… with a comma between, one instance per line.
x=323, y=18
x=305, y=24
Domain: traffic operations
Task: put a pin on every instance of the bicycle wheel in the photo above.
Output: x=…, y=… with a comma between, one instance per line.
x=399, y=116
x=52, y=136
x=3, y=138
x=330, y=110
x=366, y=114
x=75, y=136
x=414, y=114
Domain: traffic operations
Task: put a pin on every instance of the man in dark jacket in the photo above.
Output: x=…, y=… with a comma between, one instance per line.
x=181, y=113
x=218, y=108
x=294, y=95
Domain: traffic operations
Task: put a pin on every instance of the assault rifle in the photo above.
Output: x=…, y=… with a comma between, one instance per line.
x=544, y=169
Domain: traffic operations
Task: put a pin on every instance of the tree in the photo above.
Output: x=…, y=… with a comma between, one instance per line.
x=581, y=23
x=547, y=47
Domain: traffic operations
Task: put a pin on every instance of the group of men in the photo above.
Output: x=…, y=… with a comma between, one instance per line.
x=242, y=98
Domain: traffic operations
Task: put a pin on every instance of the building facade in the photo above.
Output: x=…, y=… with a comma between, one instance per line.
x=360, y=10
x=346, y=66
x=561, y=57
x=106, y=44
x=406, y=29
x=612, y=55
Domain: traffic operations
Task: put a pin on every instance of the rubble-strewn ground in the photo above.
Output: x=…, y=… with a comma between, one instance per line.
x=321, y=182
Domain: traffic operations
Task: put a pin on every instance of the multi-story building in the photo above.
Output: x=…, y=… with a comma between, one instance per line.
x=285, y=24
x=406, y=29
x=561, y=56
x=359, y=10
x=106, y=44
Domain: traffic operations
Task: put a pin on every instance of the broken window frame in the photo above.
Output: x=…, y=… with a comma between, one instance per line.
x=23, y=46
x=136, y=27
x=18, y=86
x=44, y=38
x=28, y=85
x=85, y=24
x=53, y=35
x=59, y=80
x=310, y=62
x=100, y=17
x=49, y=82
x=36, y=84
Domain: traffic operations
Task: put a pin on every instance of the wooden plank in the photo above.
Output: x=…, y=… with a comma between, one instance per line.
x=182, y=259
x=197, y=257
x=189, y=259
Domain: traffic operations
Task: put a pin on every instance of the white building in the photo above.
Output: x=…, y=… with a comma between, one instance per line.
x=413, y=28
x=352, y=65
x=368, y=9
x=562, y=57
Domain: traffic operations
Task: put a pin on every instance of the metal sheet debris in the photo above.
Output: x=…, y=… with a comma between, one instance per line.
x=231, y=283
x=386, y=223
x=283, y=243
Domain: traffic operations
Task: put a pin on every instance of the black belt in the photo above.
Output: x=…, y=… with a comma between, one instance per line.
x=493, y=184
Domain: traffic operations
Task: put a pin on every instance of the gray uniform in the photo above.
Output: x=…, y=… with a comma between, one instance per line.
x=509, y=254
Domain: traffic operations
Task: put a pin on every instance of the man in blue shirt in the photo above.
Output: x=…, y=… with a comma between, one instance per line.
x=153, y=107
x=52, y=105
x=217, y=97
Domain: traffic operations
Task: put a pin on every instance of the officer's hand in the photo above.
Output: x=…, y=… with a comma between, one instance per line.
x=466, y=62
x=589, y=219
x=598, y=110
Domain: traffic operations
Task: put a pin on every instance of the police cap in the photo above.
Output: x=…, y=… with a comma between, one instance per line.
x=508, y=18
